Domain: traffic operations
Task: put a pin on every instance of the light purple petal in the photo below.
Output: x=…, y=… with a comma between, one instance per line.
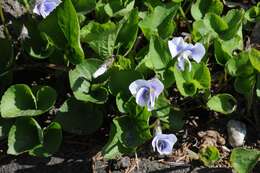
x=176, y=46
x=198, y=51
x=156, y=86
x=36, y=9
x=142, y=96
x=163, y=143
x=151, y=103
x=45, y=7
x=136, y=85
x=181, y=63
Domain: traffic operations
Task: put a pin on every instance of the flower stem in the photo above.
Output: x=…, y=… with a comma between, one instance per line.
x=157, y=128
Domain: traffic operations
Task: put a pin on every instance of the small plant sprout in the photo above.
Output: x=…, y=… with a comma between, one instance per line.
x=163, y=143
x=146, y=91
x=45, y=7
x=185, y=51
x=103, y=68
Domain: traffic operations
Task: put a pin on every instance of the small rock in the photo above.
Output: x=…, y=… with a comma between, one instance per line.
x=124, y=162
x=236, y=133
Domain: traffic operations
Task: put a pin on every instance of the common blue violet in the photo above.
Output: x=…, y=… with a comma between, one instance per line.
x=45, y=7
x=146, y=91
x=163, y=143
x=185, y=51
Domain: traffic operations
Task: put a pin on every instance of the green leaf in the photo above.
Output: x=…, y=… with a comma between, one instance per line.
x=24, y=135
x=115, y=8
x=52, y=138
x=223, y=49
x=223, y=103
x=128, y=31
x=162, y=107
x=245, y=85
x=135, y=129
x=216, y=22
x=63, y=30
x=253, y=13
x=209, y=155
x=158, y=54
x=120, y=81
x=255, y=58
x=19, y=100
x=100, y=37
x=5, y=125
x=240, y=65
x=201, y=7
x=176, y=119
x=113, y=148
x=244, y=160
x=84, y=6
x=234, y=19
x=82, y=84
x=79, y=117
x=168, y=77
x=189, y=81
x=159, y=22
x=35, y=44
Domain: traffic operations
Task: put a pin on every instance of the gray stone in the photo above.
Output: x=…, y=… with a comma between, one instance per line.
x=236, y=133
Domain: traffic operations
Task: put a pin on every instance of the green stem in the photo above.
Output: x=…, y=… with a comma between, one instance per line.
x=184, y=17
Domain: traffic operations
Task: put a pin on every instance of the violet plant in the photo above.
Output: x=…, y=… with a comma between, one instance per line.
x=185, y=51
x=101, y=53
x=146, y=91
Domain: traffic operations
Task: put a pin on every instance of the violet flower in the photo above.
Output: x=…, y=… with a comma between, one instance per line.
x=185, y=51
x=146, y=91
x=163, y=143
x=45, y=7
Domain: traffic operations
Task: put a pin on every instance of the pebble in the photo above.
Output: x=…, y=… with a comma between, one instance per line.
x=236, y=133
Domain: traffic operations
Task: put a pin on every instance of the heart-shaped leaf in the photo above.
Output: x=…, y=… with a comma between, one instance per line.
x=223, y=103
x=19, y=100
x=24, y=135
x=159, y=21
x=201, y=7
x=244, y=160
x=52, y=138
x=82, y=84
x=79, y=117
x=100, y=37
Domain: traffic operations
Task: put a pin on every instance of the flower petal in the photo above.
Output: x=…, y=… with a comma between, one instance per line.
x=156, y=86
x=176, y=46
x=181, y=63
x=136, y=85
x=198, y=51
x=163, y=143
x=142, y=96
x=151, y=103
x=45, y=7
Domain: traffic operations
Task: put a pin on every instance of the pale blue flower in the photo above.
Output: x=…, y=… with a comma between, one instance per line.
x=185, y=51
x=146, y=91
x=163, y=143
x=45, y=7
